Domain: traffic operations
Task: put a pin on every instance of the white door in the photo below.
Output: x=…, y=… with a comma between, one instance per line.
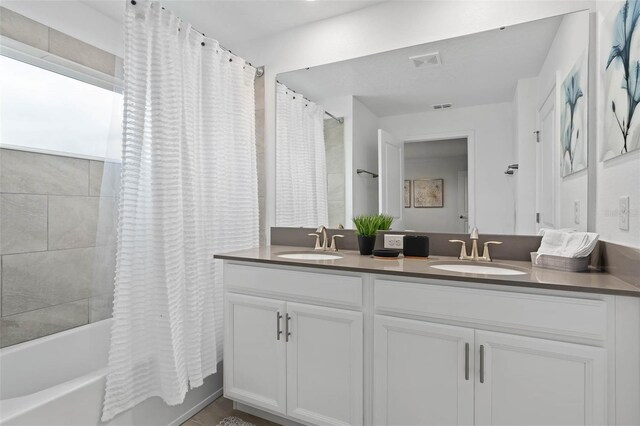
x=463, y=201
x=528, y=381
x=391, y=177
x=254, y=352
x=546, y=171
x=324, y=365
x=423, y=373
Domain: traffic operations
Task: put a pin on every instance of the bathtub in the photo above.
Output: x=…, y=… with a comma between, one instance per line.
x=60, y=379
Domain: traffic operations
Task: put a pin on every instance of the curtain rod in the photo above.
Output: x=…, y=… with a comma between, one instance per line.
x=259, y=70
x=339, y=120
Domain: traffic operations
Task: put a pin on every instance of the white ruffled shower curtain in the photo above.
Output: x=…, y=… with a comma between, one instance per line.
x=301, y=169
x=189, y=190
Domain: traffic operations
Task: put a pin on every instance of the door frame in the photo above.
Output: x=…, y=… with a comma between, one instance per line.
x=470, y=135
x=551, y=94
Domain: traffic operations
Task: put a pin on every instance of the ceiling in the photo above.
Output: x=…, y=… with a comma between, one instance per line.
x=477, y=69
x=238, y=21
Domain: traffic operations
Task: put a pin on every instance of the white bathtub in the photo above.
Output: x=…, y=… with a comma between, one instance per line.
x=59, y=380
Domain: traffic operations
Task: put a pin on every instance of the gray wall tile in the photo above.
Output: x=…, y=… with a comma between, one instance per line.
x=72, y=221
x=32, y=173
x=78, y=51
x=100, y=307
x=336, y=187
x=42, y=322
x=96, y=169
x=23, y=223
x=36, y=280
x=259, y=92
x=23, y=29
x=104, y=178
x=336, y=214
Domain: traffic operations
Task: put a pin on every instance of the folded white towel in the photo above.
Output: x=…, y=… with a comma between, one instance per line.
x=567, y=244
x=543, y=230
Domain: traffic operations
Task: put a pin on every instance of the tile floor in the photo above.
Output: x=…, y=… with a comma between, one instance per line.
x=213, y=413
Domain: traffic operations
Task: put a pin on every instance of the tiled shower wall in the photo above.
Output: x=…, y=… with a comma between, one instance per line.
x=334, y=150
x=57, y=243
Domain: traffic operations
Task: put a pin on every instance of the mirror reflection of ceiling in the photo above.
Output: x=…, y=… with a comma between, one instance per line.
x=475, y=70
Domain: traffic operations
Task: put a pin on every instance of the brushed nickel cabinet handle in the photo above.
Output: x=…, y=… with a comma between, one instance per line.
x=286, y=328
x=466, y=361
x=278, y=330
x=481, y=363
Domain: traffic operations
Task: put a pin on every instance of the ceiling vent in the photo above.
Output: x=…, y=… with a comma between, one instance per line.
x=441, y=106
x=426, y=60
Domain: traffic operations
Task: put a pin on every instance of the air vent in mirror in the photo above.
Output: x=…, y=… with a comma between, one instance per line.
x=441, y=106
x=426, y=60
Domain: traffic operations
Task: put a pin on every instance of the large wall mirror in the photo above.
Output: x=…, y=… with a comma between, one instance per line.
x=488, y=129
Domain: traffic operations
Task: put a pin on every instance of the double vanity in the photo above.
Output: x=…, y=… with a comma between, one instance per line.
x=319, y=337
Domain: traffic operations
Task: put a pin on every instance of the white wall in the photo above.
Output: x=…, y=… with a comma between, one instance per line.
x=492, y=127
x=364, y=156
x=76, y=19
x=525, y=148
x=567, y=47
x=617, y=177
x=443, y=219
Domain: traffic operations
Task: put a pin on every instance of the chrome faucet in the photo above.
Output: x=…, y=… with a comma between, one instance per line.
x=321, y=232
x=474, y=248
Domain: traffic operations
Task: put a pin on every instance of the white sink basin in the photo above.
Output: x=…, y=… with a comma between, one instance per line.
x=478, y=269
x=310, y=256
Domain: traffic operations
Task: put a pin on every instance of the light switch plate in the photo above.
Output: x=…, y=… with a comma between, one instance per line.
x=576, y=211
x=393, y=241
x=623, y=213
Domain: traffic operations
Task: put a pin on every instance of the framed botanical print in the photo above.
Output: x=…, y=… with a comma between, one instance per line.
x=428, y=193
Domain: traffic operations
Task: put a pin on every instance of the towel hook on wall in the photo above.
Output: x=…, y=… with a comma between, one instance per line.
x=373, y=175
x=510, y=169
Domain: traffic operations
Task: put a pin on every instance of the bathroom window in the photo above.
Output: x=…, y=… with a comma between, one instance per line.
x=60, y=149
x=43, y=110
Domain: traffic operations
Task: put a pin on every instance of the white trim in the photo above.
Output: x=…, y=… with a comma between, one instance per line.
x=470, y=135
x=24, y=53
x=196, y=408
x=58, y=153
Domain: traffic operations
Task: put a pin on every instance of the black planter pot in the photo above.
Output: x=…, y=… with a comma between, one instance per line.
x=366, y=244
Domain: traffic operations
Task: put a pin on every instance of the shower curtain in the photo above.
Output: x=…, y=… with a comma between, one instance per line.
x=189, y=190
x=301, y=170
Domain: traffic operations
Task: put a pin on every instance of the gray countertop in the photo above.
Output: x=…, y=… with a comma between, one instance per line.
x=592, y=282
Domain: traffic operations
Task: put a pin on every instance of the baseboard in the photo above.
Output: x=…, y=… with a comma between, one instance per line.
x=186, y=416
x=265, y=414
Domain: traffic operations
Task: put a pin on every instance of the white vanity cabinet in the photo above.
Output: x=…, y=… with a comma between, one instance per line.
x=255, y=357
x=299, y=360
x=323, y=347
x=423, y=373
x=438, y=374
x=426, y=374
x=525, y=381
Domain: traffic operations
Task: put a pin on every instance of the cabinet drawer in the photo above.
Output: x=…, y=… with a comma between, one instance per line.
x=313, y=286
x=567, y=316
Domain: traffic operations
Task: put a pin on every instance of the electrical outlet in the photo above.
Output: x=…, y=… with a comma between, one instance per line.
x=576, y=211
x=623, y=213
x=393, y=241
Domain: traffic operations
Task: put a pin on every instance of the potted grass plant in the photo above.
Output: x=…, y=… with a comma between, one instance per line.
x=366, y=228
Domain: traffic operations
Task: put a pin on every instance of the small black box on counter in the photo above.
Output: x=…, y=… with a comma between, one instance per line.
x=415, y=246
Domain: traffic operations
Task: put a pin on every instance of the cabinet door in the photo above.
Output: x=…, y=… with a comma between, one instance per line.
x=254, y=353
x=324, y=365
x=423, y=373
x=528, y=381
